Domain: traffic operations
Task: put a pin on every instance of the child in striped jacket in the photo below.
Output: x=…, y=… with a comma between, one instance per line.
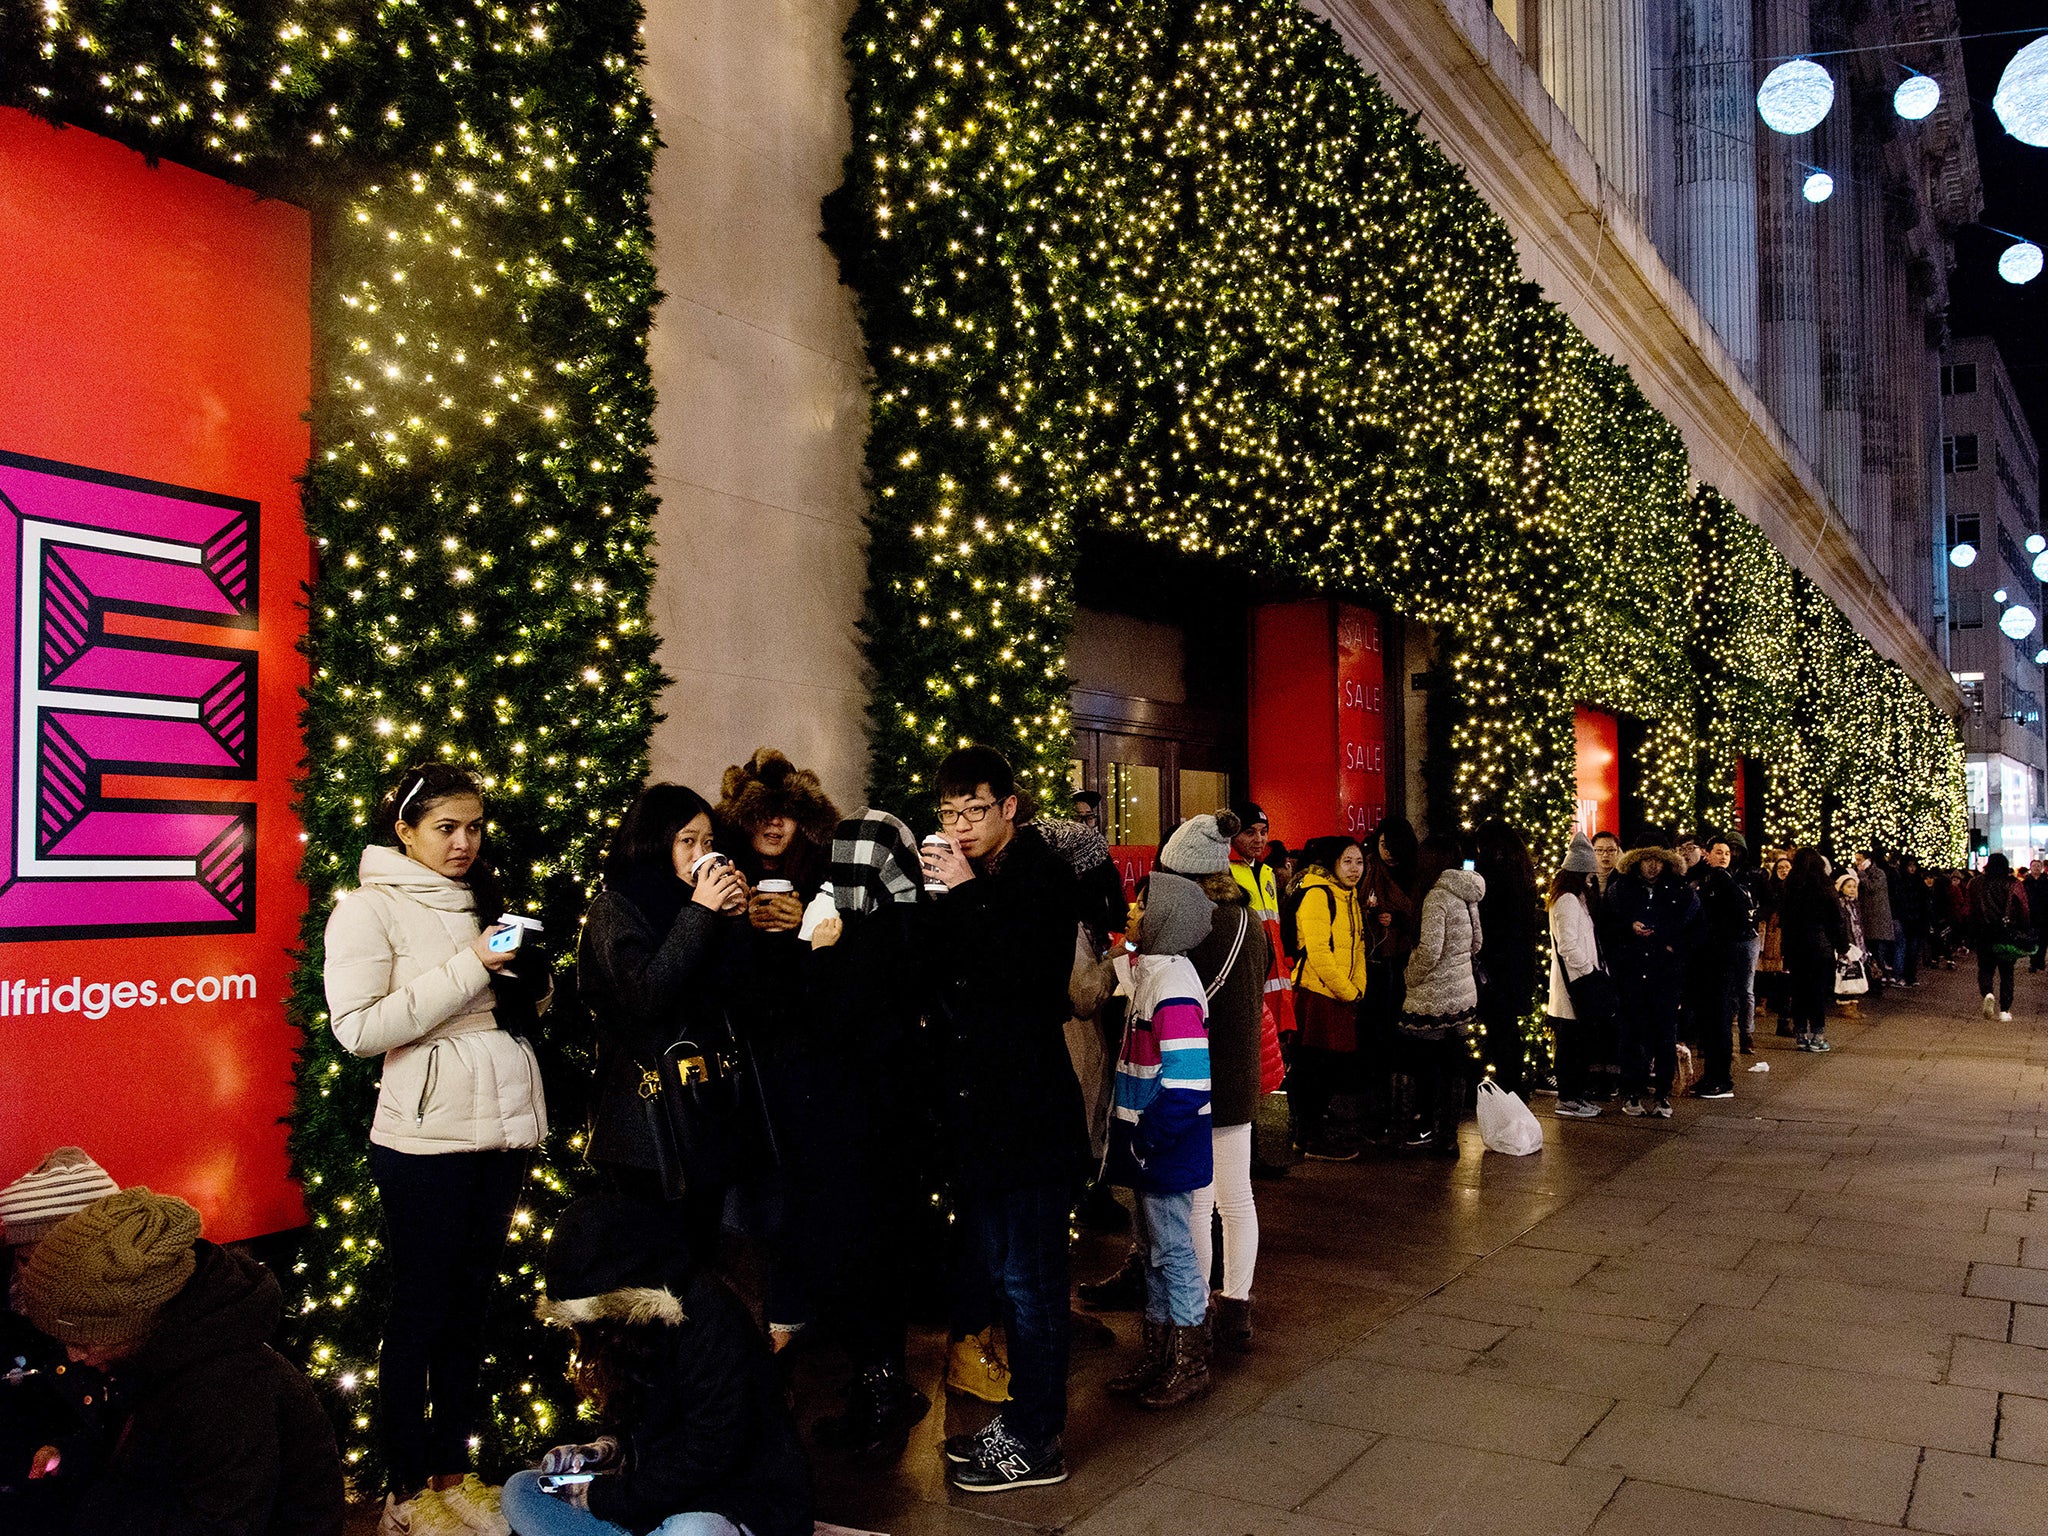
x=1159, y=1137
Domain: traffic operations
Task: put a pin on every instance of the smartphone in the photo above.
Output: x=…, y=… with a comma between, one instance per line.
x=512, y=930
x=552, y=1481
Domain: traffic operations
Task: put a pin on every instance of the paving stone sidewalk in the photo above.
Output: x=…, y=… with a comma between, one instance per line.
x=1819, y=1307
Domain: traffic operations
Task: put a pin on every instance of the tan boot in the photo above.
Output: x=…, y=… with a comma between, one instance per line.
x=977, y=1366
x=1186, y=1376
x=1153, y=1353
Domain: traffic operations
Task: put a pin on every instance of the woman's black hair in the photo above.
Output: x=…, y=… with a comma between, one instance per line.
x=646, y=838
x=1323, y=852
x=1400, y=836
x=1439, y=851
x=419, y=789
x=1501, y=854
x=616, y=1363
x=1571, y=882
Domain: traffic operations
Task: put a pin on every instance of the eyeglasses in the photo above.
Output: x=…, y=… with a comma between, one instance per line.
x=966, y=816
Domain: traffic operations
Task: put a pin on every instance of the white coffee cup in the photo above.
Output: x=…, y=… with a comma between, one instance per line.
x=698, y=865
x=775, y=888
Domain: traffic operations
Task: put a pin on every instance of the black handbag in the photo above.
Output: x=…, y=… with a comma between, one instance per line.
x=697, y=1102
x=1593, y=995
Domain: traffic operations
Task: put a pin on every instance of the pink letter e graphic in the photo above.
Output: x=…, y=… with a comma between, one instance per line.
x=139, y=696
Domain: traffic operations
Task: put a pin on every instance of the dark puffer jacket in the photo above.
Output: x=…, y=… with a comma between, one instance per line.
x=221, y=1436
x=1001, y=947
x=1667, y=906
x=710, y=1431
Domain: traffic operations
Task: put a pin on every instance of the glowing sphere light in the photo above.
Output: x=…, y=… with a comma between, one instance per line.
x=1796, y=96
x=1820, y=186
x=1916, y=97
x=2017, y=622
x=2041, y=657
x=2041, y=566
x=2021, y=101
x=1963, y=556
x=2036, y=542
x=2020, y=263
x=2000, y=595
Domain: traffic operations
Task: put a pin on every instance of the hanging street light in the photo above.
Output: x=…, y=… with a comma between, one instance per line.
x=1917, y=97
x=2000, y=595
x=2036, y=542
x=1795, y=96
x=1963, y=556
x=1819, y=187
x=2020, y=263
x=2017, y=622
x=2021, y=101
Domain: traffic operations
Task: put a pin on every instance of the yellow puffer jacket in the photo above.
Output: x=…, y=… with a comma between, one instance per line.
x=1329, y=925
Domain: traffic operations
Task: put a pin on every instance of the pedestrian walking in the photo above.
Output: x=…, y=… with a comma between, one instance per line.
x=2002, y=932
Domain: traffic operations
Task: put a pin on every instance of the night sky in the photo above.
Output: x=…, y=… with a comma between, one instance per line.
x=2015, y=199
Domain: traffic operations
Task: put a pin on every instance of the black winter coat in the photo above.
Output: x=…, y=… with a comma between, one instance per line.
x=1811, y=925
x=1001, y=948
x=1668, y=907
x=711, y=1432
x=1724, y=907
x=645, y=990
x=220, y=1436
x=1507, y=917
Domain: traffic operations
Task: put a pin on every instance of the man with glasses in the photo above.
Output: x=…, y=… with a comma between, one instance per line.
x=1003, y=946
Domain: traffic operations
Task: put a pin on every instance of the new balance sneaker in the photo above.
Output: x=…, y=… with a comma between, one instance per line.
x=2004, y=1017
x=1661, y=1109
x=1577, y=1109
x=1818, y=1044
x=475, y=1503
x=1990, y=1005
x=1713, y=1090
x=1633, y=1107
x=1006, y=1462
x=962, y=1449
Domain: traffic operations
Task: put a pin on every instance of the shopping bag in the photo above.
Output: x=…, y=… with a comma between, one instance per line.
x=1505, y=1122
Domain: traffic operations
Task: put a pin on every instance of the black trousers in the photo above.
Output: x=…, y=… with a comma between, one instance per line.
x=445, y=1220
x=1315, y=1077
x=1573, y=1050
x=1811, y=987
x=1439, y=1072
x=1649, y=1035
x=1989, y=965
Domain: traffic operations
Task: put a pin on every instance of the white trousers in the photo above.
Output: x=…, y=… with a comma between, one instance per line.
x=1231, y=1194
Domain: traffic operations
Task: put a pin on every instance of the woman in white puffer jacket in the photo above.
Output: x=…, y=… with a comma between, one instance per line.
x=409, y=977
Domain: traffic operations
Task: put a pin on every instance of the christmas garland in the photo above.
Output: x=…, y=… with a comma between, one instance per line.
x=1179, y=268
x=477, y=176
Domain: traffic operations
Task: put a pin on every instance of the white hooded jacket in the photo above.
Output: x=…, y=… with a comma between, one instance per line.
x=403, y=982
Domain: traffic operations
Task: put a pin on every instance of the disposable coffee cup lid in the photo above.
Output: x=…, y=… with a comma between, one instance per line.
x=775, y=888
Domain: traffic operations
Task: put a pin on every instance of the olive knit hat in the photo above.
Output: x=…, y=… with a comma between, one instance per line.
x=102, y=1275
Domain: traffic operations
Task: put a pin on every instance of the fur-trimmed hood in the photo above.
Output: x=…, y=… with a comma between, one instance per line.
x=635, y=1305
x=1627, y=863
x=768, y=785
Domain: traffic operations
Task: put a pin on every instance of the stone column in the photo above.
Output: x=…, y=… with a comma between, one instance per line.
x=1711, y=242
x=1877, y=389
x=1839, y=270
x=1789, y=328
x=1594, y=58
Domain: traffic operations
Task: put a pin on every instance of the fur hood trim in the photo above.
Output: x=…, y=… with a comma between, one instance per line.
x=768, y=785
x=636, y=1305
x=1627, y=863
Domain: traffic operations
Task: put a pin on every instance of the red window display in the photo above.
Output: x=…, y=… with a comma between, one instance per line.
x=1318, y=722
x=156, y=360
x=1596, y=735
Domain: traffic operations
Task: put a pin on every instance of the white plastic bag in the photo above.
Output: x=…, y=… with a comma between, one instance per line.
x=1505, y=1122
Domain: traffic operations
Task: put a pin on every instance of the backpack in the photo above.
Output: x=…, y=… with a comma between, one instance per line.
x=1290, y=926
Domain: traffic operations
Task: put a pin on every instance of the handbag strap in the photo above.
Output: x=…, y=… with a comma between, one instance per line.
x=1244, y=923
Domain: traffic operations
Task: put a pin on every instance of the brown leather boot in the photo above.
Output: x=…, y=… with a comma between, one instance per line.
x=1233, y=1325
x=1154, y=1355
x=1186, y=1376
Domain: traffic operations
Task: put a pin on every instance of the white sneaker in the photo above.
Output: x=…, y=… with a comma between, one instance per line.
x=426, y=1513
x=475, y=1503
x=2004, y=1017
x=1990, y=1005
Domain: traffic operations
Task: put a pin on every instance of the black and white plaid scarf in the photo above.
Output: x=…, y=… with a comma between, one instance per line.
x=874, y=862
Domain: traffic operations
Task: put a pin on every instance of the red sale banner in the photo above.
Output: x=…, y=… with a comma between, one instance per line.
x=1361, y=722
x=156, y=362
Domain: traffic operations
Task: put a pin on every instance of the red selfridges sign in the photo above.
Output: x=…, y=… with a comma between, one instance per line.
x=155, y=358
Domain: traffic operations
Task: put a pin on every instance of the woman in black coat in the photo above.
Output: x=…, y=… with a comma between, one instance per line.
x=1810, y=920
x=690, y=1402
x=649, y=968
x=1507, y=917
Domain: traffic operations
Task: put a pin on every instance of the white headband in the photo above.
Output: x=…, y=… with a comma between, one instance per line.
x=418, y=784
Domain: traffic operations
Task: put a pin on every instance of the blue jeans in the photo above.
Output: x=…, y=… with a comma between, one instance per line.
x=530, y=1512
x=1745, y=985
x=1021, y=1237
x=1176, y=1289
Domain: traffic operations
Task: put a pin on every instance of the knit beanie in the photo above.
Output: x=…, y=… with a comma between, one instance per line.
x=65, y=1181
x=102, y=1274
x=1201, y=845
x=1579, y=860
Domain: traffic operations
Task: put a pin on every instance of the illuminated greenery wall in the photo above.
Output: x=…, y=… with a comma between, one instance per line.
x=1180, y=268
x=477, y=175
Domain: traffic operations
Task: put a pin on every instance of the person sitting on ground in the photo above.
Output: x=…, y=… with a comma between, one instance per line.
x=697, y=1439
x=1160, y=1140
x=217, y=1433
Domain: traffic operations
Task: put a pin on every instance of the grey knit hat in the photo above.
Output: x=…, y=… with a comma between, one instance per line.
x=1177, y=915
x=1579, y=860
x=1201, y=845
x=62, y=1184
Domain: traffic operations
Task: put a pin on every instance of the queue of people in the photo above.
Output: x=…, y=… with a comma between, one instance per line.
x=798, y=1015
